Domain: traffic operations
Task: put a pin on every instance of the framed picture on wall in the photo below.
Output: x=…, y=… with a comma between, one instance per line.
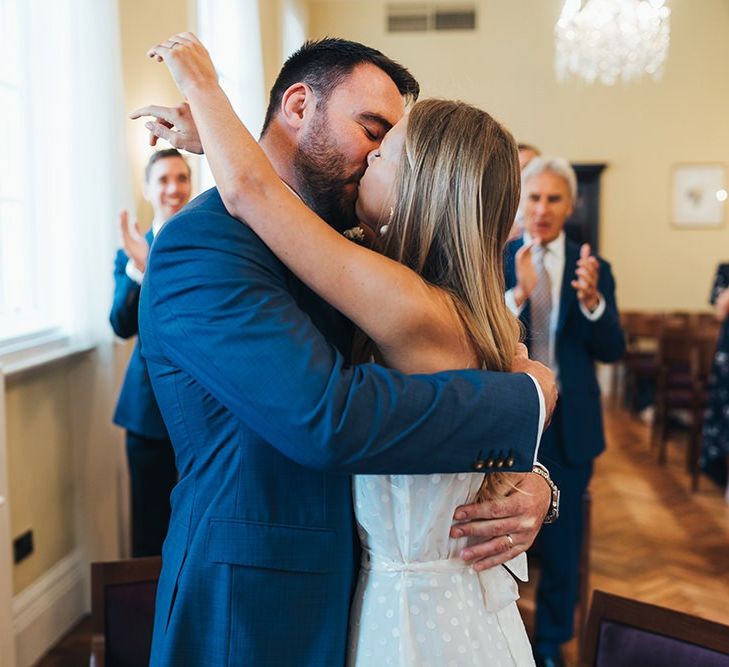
x=699, y=195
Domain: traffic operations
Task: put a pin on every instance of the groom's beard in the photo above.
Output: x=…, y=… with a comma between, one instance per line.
x=322, y=180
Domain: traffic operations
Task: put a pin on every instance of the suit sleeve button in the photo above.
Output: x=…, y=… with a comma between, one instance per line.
x=490, y=463
x=510, y=462
x=479, y=465
x=500, y=463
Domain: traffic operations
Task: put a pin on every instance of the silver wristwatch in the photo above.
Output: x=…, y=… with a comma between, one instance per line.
x=553, y=512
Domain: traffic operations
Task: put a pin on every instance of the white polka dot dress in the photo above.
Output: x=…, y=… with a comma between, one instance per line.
x=417, y=603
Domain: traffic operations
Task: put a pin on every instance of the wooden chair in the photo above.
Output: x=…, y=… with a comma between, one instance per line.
x=676, y=368
x=627, y=633
x=640, y=362
x=122, y=611
x=684, y=365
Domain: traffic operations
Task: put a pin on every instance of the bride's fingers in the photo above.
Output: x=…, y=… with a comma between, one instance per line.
x=158, y=52
x=186, y=38
x=163, y=49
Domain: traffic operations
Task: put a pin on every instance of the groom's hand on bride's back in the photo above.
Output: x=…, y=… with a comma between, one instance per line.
x=173, y=124
x=507, y=525
x=543, y=375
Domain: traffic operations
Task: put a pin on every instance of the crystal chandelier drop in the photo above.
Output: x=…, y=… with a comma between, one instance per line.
x=612, y=40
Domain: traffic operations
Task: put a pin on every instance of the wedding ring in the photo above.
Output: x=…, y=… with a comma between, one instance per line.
x=511, y=541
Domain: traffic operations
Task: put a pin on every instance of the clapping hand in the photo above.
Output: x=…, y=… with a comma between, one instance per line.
x=135, y=245
x=588, y=272
x=526, y=274
x=722, y=305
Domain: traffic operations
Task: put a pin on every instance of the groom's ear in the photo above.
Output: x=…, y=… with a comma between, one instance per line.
x=298, y=104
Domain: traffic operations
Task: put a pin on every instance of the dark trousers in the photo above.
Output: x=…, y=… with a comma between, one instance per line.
x=152, y=474
x=559, y=546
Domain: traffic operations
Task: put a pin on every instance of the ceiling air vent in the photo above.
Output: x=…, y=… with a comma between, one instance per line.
x=424, y=17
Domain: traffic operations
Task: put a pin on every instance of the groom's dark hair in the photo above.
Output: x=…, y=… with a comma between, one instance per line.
x=325, y=63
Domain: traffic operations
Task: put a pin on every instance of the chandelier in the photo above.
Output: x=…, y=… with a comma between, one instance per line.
x=612, y=40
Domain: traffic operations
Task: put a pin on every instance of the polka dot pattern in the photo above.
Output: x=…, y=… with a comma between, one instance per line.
x=416, y=603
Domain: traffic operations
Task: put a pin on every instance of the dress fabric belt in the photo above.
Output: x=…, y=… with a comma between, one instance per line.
x=498, y=586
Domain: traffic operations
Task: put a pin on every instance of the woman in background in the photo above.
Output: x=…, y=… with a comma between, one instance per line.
x=715, y=452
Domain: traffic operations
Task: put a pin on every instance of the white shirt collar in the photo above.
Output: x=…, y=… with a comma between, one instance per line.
x=156, y=226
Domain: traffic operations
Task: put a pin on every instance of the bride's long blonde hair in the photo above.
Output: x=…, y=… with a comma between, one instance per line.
x=456, y=197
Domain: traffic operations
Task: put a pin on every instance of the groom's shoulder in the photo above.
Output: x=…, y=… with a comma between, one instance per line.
x=206, y=223
x=204, y=212
x=203, y=238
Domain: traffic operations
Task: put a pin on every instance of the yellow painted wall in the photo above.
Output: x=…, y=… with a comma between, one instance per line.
x=144, y=24
x=40, y=464
x=66, y=468
x=640, y=130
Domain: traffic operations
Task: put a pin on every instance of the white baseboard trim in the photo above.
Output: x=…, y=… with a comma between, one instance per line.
x=48, y=608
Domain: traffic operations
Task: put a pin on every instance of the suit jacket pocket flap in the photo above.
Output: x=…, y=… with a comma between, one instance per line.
x=271, y=546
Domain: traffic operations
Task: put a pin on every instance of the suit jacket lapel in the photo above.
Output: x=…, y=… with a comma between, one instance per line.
x=568, y=296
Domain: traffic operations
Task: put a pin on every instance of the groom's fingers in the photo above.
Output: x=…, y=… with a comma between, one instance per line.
x=168, y=114
x=515, y=504
x=488, y=529
x=163, y=132
x=506, y=526
x=490, y=560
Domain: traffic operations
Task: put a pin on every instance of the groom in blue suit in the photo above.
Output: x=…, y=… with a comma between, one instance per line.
x=565, y=297
x=269, y=418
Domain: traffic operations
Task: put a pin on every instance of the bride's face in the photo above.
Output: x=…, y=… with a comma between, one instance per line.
x=376, y=186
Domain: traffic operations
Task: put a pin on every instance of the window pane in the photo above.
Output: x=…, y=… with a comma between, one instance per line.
x=9, y=47
x=18, y=295
x=12, y=155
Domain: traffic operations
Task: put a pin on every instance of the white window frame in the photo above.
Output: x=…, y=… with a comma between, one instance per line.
x=37, y=327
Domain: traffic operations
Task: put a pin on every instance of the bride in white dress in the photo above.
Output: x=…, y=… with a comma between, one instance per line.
x=442, y=189
x=417, y=603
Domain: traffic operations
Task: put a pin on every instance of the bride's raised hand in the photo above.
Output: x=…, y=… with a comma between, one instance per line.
x=188, y=62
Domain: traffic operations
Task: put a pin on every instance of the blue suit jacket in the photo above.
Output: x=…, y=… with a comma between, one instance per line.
x=136, y=408
x=576, y=435
x=268, y=420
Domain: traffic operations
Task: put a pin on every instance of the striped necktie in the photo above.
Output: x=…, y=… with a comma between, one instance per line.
x=540, y=308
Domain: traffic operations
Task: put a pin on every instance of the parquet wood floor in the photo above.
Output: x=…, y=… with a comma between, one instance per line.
x=652, y=539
